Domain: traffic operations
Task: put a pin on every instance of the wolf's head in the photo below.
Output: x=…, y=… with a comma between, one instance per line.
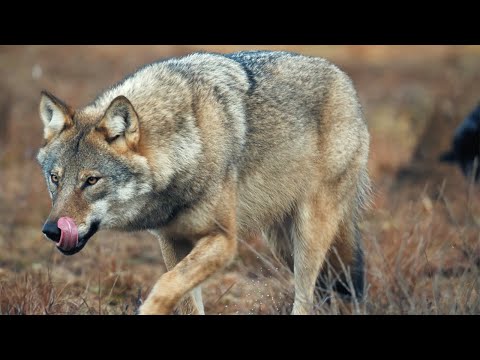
x=93, y=170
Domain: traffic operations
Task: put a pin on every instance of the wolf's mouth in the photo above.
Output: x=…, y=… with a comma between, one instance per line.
x=80, y=244
x=68, y=233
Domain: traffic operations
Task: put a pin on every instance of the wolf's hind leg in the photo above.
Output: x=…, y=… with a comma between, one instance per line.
x=316, y=224
x=343, y=270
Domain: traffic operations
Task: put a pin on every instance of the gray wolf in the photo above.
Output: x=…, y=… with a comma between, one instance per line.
x=465, y=149
x=205, y=149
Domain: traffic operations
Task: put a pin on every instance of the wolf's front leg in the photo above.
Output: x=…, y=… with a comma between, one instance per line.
x=209, y=255
x=173, y=251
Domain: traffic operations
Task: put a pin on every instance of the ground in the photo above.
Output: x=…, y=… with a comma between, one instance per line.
x=421, y=233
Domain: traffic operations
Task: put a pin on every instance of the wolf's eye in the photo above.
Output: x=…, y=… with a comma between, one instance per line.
x=92, y=180
x=54, y=178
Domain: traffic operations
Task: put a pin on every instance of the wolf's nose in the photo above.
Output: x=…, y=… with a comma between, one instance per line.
x=52, y=231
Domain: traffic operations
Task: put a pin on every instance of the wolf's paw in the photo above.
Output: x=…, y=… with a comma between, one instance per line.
x=155, y=307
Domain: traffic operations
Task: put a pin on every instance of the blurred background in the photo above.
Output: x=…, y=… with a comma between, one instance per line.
x=421, y=234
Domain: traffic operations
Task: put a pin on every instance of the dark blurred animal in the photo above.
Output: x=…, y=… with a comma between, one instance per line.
x=465, y=149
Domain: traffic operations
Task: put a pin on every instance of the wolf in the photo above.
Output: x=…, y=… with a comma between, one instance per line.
x=208, y=149
x=465, y=148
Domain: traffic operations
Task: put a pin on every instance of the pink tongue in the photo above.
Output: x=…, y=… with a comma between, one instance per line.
x=69, y=237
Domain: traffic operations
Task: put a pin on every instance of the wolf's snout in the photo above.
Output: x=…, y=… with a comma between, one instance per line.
x=52, y=231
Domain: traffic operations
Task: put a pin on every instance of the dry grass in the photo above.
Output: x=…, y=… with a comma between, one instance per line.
x=430, y=264
x=422, y=234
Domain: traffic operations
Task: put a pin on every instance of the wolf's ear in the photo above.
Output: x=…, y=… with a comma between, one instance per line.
x=120, y=122
x=55, y=115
